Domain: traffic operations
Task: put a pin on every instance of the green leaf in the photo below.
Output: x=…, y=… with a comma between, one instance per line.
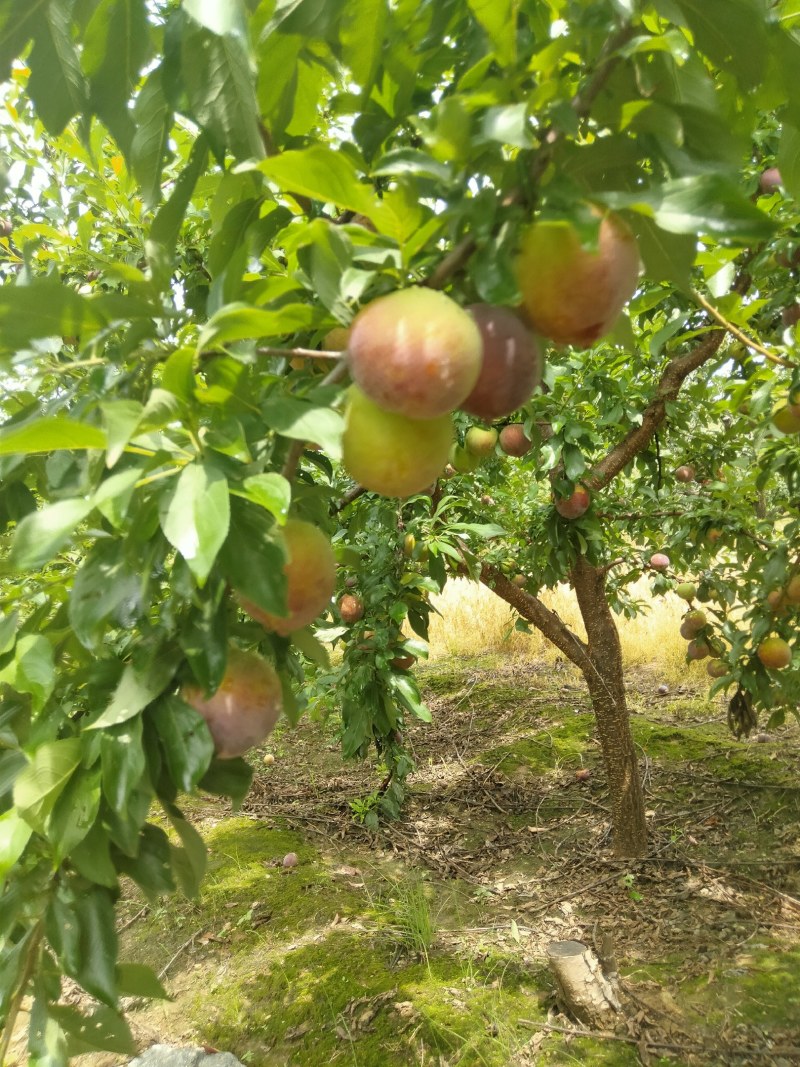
x=151, y=868
x=198, y=517
x=323, y=174
x=221, y=90
x=732, y=33
x=187, y=743
x=41, y=534
x=94, y=912
x=120, y=418
x=252, y=558
x=311, y=648
x=50, y=434
x=115, y=48
x=702, y=204
x=162, y=242
x=190, y=861
x=139, y=980
x=92, y=857
x=104, y=589
x=499, y=20
x=14, y=836
x=789, y=160
x=56, y=85
x=238, y=322
x=39, y=786
x=137, y=687
x=45, y=309
x=667, y=257
x=304, y=421
x=123, y=761
x=405, y=689
x=270, y=491
x=103, y=1030
x=74, y=813
x=219, y=16
x=361, y=32
x=153, y=117
x=229, y=778
x=32, y=669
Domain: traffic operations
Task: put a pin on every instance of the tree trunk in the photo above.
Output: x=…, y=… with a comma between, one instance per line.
x=607, y=691
x=584, y=990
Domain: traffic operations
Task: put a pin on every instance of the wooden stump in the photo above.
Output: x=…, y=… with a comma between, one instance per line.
x=583, y=988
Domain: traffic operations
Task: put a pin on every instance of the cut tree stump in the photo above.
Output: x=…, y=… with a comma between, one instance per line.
x=583, y=988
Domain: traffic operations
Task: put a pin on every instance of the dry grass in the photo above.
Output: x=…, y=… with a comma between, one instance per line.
x=473, y=621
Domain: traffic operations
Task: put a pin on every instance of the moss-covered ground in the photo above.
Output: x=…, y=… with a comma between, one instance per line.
x=424, y=943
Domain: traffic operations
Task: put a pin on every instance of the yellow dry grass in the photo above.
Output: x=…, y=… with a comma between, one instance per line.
x=474, y=621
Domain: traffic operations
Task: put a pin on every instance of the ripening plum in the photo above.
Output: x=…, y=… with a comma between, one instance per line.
x=415, y=352
x=686, y=590
x=512, y=363
x=770, y=180
x=575, y=505
x=571, y=294
x=310, y=572
x=775, y=653
x=389, y=453
x=659, y=561
x=351, y=608
x=686, y=473
x=513, y=440
x=245, y=707
x=716, y=668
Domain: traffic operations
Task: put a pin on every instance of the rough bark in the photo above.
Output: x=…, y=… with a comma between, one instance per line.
x=606, y=686
x=583, y=989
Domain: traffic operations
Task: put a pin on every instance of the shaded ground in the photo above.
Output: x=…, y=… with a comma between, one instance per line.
x=423, y=944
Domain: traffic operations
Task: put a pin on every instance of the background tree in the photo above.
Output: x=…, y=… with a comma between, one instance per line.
x=195, y=196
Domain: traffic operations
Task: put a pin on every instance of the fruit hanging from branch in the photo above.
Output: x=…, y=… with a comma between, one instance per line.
x=351, y=608
x=574, y=505
x=511, y=367
x=245, y=707
x=513, y=440
x=659, y=561
x=415, y=352
x=775, y=653
x=572, y=294
x=480, y=442
x=310, y=571
x=389, y=453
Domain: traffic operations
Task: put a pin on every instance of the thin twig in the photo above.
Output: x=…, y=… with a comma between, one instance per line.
x=298, y=447
x=716, y=314
x=183, y=947
x=130, y=922
x=300, y=353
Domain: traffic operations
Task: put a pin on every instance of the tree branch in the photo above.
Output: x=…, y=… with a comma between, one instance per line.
x=544, y=619
x=300, y=353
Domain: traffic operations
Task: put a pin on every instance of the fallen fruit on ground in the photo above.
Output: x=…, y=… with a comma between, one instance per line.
x=290, y=859
x=389, y=453
x=686, y=590
x=511, y=367
x=513, y=440
x=775, y=653
x=310, y=571
x=572, y=294
x=245, y=707
x=351, y=608
x=269, y=759
x=480, y=442
x=415, y=352
x=659, y=561
x=575, y=505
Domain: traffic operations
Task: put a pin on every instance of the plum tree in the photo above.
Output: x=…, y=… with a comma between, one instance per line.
x=511, y=365
x=415, y=352
x=245, y=706
x=310, y=571
x=389, y=453
x=574, y=294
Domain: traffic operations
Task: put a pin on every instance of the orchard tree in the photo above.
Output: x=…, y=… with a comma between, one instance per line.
x=567, y=231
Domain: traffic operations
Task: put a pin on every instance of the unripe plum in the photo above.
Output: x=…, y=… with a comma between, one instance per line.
x=245, y=707
x=409, y=544
x=685, y=473
x=686, y=590
x=337, y=339
x=350, y=581
x=698, y=649
x=776, y=600
x=463, y=461
x=571, y=294
x=415, y=352
x=784, y=420
x=575, y=505
x=511, y=367
x=790, y=315
x=793, y=589
x=716, y=668
x=480, y=442
x=659, y=561
x=310, y=571
x=389, y=453
x=513, y=440
x=351, y=608
x=519, y=580
x=775, y=653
